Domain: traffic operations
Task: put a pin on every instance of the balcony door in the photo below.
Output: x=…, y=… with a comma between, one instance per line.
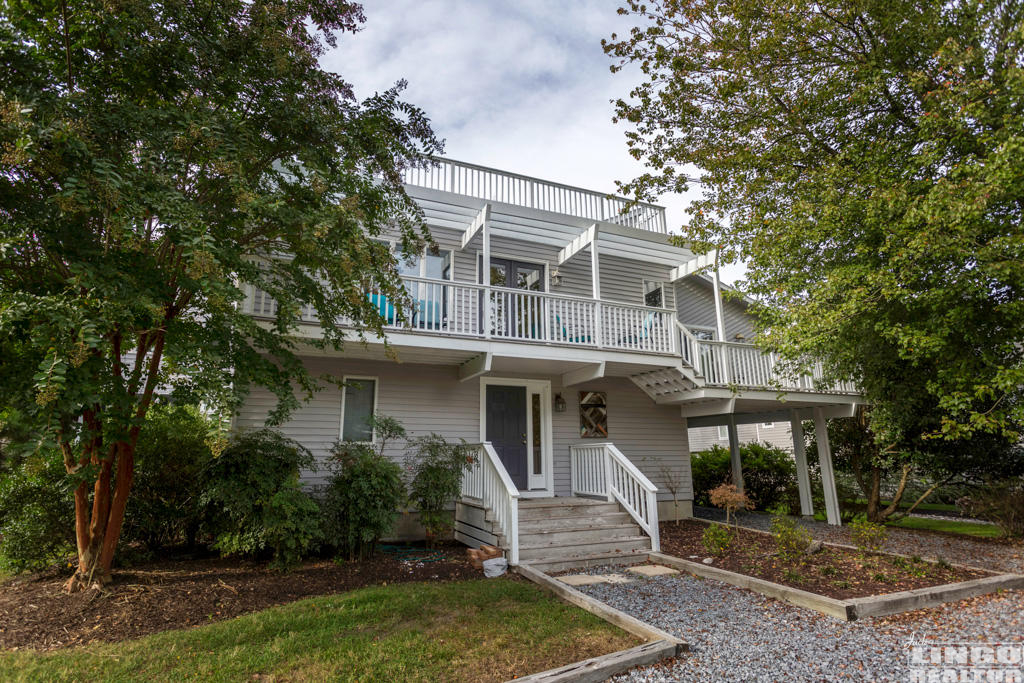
x=512, y=315
x=515, y=416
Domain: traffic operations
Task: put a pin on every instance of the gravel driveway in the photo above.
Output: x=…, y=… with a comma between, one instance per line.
x=997, y=556
x=737, y=635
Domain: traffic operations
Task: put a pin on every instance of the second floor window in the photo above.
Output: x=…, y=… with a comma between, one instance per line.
x=435, y=266
x=654, y=294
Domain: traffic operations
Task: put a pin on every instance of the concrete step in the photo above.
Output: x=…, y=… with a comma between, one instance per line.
x=577, y=508
x=559, y=551
x=579, y=535
x=584, y=561
x=581, y=521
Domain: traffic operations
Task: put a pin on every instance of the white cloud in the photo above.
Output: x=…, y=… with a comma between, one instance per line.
x=522, y=86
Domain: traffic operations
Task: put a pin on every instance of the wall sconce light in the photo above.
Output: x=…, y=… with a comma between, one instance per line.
x=739, y=337
x=559, y=403
x=556, y=278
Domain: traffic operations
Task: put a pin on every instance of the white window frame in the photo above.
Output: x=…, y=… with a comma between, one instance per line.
x=768, y=425
x=376, y=397
x=721, y=429
x=660, y=285
x=393, y=245
x=704, y=328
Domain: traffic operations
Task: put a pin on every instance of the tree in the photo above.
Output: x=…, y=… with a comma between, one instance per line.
x=155, y=157
x=864, y=157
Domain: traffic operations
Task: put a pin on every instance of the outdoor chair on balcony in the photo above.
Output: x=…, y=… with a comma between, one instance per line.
x=384, y=307
x=572, y=337
x=643, y=333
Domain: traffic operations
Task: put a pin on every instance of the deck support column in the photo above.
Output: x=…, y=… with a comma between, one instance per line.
x=828, y=477
x=803, y=477
x=734, y=453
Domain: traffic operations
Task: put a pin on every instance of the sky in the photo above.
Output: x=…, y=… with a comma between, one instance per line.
x=521, y=86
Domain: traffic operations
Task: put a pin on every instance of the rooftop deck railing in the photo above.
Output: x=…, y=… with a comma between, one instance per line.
x=520, y=190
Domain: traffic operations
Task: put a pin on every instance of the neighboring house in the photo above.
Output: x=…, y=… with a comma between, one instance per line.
x=774, y=433
x=561, y=330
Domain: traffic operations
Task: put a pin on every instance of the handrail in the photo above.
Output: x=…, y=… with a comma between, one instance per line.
x=449, y=175
x=601, y=469
x=487, y=481
x=688, y=346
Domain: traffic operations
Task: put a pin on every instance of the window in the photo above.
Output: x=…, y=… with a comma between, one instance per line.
x=702, y=333
x=358, y=404
x=723, y=432
x=435, y=266
x=654, y=294
x=593, y=415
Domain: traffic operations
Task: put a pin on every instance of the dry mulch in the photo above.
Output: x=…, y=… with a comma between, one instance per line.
x=834, y=572
x=35, y=613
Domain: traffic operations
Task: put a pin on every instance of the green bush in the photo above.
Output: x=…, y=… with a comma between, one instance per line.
x=363, y=493
x=769, y=474
x=1001, y=503
x=716, y=539
x=171, y=458
x=252, y=499
x=437, y=468
x=791, y=538
x=868, y=536
x=37, y=514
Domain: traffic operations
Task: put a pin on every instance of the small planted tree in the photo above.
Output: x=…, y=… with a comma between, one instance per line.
x=672, y=479
x=730, y=499
x=437, y=467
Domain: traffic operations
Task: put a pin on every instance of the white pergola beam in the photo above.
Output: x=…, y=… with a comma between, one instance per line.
x=477, y=226
x=578, y=244
x=475, y=366
x=693, y=265
x=587, y=373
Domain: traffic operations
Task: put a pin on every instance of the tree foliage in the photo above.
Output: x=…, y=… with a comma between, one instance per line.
x=865, y=159
x=154, y=156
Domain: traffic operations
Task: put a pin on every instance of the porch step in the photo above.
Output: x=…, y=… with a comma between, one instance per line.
x=575, y=522
x=592, y=534
x=584, y=561
x=568, y=550
x=550, y=508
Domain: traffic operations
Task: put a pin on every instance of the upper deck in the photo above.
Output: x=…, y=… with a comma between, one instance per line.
x=481, y=182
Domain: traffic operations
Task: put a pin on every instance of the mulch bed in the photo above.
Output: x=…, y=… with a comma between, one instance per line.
x=35, y=613
x=833, y=572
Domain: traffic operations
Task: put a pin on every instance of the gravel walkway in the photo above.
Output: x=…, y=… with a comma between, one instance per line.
x=995, y=555
x=737, y=635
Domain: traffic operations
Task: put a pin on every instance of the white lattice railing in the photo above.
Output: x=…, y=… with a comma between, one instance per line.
x=601, y=469
x=520, y=190
x=487, y=482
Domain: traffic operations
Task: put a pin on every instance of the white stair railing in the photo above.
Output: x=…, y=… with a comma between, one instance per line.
x=487, y=482
x=601, y=469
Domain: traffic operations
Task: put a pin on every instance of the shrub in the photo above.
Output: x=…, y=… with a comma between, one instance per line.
x=716, y=539
x=1000, y=503
x=769, y=474
x=37, y=514
x=868, y=536
x=791, y=538
x=730, y=499
x=253, y=502
x=437, y=470
x=171, y=458
x=363, y=492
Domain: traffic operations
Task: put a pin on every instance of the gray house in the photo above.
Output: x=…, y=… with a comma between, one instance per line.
x=560, y=330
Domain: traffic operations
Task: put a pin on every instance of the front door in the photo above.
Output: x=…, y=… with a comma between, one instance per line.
x=518, y=317
x=506, y=429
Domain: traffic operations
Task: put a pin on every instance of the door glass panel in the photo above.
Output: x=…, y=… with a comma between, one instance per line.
x=528, y=277
x=538, y=467
x=499, y=275
x=438, y=267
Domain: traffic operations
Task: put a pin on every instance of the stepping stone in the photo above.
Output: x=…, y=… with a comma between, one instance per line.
x=616, y=578
x=653, y=570
x=581, y=579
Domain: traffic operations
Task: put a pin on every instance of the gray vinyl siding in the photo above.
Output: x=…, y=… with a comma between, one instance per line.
x=622, y=280
x=779, y=436
x=695, y=305
x=429, y=398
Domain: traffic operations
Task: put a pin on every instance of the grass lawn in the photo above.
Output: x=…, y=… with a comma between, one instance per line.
x=480, y=630
x=951, y=526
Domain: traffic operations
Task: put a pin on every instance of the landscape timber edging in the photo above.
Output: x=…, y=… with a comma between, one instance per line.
x=853, y=608
x=660, y=644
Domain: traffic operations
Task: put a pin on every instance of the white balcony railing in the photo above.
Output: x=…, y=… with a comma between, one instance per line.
x=520, y=190
x=602, y=470
x=487, y=482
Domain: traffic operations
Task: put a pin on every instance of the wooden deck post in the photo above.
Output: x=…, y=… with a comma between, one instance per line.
x=803, y=478
x=828, y=477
